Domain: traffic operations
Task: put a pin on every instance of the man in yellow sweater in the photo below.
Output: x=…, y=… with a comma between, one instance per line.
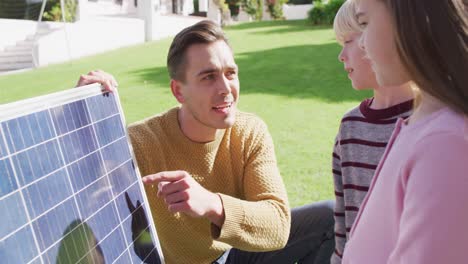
x=210, y=171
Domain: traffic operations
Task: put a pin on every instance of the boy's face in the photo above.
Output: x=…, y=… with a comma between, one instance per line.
x=211, y=87
x=356, y=65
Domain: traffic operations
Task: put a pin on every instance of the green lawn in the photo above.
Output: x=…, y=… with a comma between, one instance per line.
x=290, y=76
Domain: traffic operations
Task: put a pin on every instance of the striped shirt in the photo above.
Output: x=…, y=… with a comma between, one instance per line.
x=359, y=145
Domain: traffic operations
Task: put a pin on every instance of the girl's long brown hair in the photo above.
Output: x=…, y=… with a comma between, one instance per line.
x=431, y=37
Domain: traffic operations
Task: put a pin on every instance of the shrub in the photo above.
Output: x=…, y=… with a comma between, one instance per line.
x=19, y=9
x=53, y=10
x=196, y=8
x=234, y=6
x=24, y=9
x=331, y=8
x=324, y=13
x=275, y=8
x=299, y=2
x=253, y=8
x=316, y=15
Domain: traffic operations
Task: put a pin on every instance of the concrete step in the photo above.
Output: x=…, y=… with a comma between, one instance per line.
x=15, y=66
x=38, y=34
x=43, y=30
x=18, y=48
x=10, y=58
x=14, y=52
x=32, y=37
x=25, y=43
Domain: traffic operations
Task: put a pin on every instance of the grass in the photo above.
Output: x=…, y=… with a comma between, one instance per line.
x=290, y=76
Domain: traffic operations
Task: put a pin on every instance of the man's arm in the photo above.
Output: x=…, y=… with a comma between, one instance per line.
x=261, y=220
x=182, y=193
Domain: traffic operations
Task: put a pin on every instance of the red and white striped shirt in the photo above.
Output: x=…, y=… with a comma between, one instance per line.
x=359, y=146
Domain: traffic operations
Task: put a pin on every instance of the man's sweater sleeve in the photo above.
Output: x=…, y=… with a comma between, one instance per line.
x=261, y=221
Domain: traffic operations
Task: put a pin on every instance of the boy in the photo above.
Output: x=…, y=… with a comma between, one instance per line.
x=364, y=130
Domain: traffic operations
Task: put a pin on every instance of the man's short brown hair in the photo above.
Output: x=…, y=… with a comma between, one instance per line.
x=203, y=32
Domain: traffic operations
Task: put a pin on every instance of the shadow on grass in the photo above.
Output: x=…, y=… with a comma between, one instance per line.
x=307, y=71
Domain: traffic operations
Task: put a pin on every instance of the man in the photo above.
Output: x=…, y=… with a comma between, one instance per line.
x=210, y=171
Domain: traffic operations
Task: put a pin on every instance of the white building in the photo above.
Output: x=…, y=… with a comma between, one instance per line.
x=101, y=25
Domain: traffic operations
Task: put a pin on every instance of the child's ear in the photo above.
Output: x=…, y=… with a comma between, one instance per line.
x=176, y=88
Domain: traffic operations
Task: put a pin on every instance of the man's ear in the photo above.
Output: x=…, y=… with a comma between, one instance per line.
x=176, y=89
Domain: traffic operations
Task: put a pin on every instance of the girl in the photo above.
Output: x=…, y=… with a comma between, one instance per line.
x=417, y=206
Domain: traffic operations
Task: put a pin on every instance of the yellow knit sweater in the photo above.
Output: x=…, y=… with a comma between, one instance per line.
x=239, y=164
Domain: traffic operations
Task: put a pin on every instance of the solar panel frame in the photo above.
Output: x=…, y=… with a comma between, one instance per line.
x=20, y=169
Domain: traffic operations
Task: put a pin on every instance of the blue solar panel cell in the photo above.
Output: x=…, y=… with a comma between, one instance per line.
x=29, y=130
x=43, y=125
x=49, y=227
x=15, y=137
x=86, y=171
x=98, y=112
x=69, y=192
x=121, y=178
x=26, y=134
x=128, y=200
x=113, y=245
x=19, y=248
x=23, y=167
x=47, y=193
x=37, y=162
x=93, y=197
x=7, y=184
x=70, y=117
x=104, y=221
x=13, y=214
x=3, y=150
x=116, y=154
x=125, y=259
x=78, y=144
x=109, y=130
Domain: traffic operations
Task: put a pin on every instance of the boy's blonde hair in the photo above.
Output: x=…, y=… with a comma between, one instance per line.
x=345, y=21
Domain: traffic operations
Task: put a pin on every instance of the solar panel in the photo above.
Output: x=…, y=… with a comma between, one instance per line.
x=69, y=188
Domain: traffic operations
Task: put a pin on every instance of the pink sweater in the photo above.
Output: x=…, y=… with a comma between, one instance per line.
x=416, y=210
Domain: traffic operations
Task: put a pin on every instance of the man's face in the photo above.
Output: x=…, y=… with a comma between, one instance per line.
x=210, y=91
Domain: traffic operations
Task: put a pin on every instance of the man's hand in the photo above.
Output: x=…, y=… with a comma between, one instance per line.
x=105, y=79
x=183, y=194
